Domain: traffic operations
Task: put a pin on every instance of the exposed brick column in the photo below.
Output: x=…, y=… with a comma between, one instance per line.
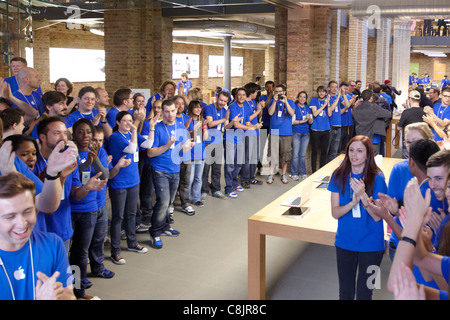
x=281, y=45
x=138, y=45
x=309, y=49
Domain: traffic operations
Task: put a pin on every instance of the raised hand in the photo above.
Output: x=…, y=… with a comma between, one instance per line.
x=58, y=161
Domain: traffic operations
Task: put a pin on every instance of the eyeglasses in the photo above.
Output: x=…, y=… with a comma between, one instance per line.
x=446, y=96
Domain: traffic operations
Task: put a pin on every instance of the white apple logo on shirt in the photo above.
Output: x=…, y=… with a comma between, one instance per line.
x=19, y=274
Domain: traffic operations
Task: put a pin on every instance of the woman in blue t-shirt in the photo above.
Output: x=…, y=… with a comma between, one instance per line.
x=300, y=136
x=124, y=187
x=359, y=238
x=198, y=130
x=86, y=220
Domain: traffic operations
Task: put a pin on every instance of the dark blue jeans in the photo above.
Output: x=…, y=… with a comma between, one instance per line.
x=234, y=158
x=251, y=158
x=89, y=231
x=166, y=185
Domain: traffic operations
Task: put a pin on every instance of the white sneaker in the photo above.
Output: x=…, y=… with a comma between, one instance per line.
x=295, y=177
x=188, y=210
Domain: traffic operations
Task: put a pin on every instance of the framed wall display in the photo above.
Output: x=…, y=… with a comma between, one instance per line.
x=185, y=63
x=77, y=65
x=216, y=65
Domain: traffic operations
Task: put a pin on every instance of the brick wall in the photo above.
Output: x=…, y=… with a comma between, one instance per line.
x=58, y=36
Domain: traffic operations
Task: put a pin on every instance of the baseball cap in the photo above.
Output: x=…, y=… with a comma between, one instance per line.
x=414, y=94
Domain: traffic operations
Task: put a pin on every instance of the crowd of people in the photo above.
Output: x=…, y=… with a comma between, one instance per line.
x=77, y=148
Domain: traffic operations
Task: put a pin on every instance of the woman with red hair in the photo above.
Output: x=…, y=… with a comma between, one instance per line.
x=359, y=238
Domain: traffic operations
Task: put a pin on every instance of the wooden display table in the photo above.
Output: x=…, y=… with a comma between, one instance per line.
x=317, y=226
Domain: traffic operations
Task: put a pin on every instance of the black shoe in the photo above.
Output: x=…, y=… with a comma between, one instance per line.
x=256, y=181
x=245, y=185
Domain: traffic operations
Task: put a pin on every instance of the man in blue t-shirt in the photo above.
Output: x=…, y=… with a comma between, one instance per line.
x=171, y=144
x=215, y=115
x=281, y=111
x=51, y=132
x=34, y=264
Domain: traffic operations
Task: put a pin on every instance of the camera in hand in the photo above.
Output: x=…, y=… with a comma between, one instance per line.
x=280, y=97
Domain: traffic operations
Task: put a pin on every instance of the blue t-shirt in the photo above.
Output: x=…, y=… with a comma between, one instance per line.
x=111, y=117
x=74, y=116
x=169, y=161
x=214, y=132
x=89, y=202
x=236, y=135
x=198, y=151
x=187, y=85
x=442, y=112
x=322, y=121
x=34, y=100
x=301, y=114
x=128, y=176
x=362, y=234
x=346, y=117
x=335, y=119
x=148, y=106
x=60, y=222
x=281, y=119
x=251, y=107
x=49, y=256
x=101, y=195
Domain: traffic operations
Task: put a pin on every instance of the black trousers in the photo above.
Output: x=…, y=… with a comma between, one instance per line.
x=319, y=141
x=356, y=272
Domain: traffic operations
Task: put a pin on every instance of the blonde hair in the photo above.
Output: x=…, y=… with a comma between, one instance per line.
x=422, y=127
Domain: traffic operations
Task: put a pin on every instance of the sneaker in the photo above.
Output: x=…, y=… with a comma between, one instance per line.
x=219, y=194
x=170, y=210
x=188, y=210
x=105, y=274
x=232, y=195
x=239, y=188
x=138, y=249
x=155, y=242
x=142, y=228
x=304, y=176
x=118, y=259
x=269, y=179
x=199, y=204
x=284, y=179
x=245, y=185
x=256, y=181
x=295, y=177
x=123, y=235
x=171, y=233
x=204, y=195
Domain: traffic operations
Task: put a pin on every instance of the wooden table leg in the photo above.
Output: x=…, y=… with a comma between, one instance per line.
x=256, y=263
